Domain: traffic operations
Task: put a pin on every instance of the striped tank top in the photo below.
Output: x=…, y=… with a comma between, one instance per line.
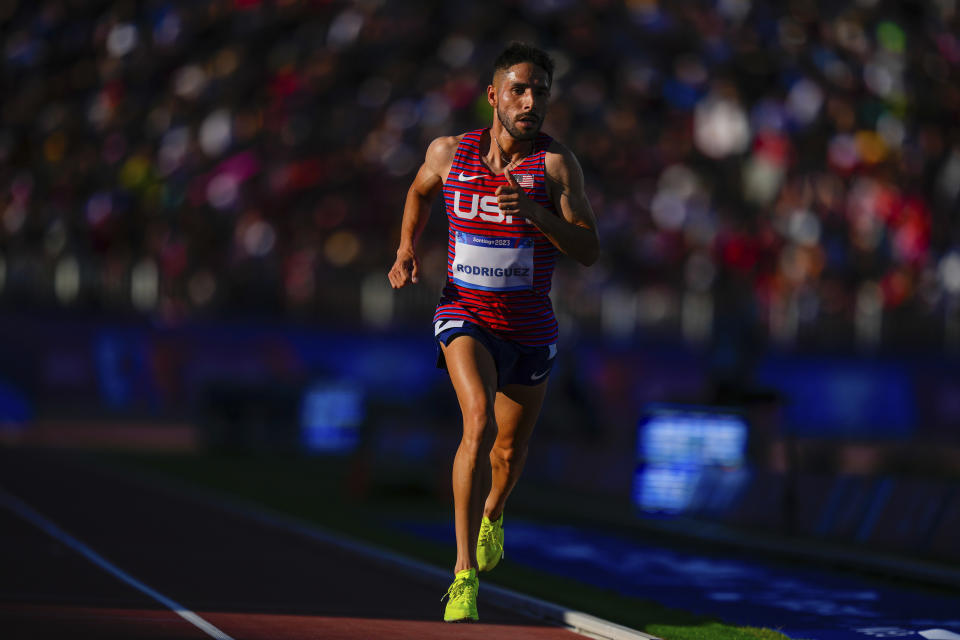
x=499, y=267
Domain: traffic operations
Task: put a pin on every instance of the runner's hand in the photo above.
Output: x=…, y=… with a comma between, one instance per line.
x=513, y=200
x=406, y=269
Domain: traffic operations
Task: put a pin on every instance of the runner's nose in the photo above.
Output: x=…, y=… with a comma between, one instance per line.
x=527, y=100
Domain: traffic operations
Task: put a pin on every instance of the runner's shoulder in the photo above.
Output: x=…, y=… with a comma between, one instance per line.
x=441, y=152
x=560, y=163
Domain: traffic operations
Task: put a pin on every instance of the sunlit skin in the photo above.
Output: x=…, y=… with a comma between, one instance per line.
x=519, y=97
x=498, y=423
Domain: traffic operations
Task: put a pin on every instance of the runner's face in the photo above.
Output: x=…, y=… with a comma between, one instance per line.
x=519, y=95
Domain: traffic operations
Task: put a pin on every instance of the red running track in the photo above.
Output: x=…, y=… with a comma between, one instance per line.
x=249, y=580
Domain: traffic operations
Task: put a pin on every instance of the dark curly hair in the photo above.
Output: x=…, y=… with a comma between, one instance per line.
x=517, y=52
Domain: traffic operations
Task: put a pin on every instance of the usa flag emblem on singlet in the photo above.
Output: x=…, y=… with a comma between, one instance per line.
x=525, y=180
x=499, y=267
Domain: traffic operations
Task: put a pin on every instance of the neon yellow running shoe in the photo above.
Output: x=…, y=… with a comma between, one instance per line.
x=490, y=543
x=462, y=598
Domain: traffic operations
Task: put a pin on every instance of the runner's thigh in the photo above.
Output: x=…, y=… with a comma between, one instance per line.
x=472, y=372
x=517, y=408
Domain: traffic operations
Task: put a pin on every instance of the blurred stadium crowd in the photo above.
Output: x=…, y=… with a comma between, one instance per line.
x=791, y=169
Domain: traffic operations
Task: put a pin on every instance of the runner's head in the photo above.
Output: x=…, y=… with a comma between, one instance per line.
x=522, y=77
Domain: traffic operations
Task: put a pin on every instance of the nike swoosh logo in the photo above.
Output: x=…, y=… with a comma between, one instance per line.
x=537, y=376
x=465, y=178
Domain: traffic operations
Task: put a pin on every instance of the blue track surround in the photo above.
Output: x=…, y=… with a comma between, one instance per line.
x=803, y=603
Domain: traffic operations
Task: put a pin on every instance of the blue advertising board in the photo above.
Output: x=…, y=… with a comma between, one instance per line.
x=683, y=452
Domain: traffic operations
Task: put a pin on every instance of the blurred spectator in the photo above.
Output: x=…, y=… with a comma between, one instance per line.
x=180, y=159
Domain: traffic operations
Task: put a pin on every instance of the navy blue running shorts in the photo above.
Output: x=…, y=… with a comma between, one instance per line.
x=516, y=363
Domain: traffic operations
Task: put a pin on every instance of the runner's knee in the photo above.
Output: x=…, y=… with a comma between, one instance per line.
x=478, y=417
x=479, y=429
x=476, y=444
x=509, y=455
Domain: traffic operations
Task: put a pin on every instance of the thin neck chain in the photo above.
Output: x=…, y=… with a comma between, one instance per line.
x=503, y=154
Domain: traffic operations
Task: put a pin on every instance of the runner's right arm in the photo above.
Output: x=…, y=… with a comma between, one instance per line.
x=416, y=210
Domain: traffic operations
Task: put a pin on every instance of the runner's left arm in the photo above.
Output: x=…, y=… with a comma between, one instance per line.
x=416, y=210
x=574, y=231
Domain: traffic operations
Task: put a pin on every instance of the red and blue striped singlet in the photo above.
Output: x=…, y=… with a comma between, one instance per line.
x=499, y=267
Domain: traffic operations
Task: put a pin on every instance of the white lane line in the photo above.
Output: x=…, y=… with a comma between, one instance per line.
x=26, y=512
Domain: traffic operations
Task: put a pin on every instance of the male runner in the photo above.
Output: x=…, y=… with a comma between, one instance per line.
x=514, y=198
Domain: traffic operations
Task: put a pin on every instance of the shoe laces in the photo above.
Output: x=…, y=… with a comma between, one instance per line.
x=486, y=533
x=460, y=588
